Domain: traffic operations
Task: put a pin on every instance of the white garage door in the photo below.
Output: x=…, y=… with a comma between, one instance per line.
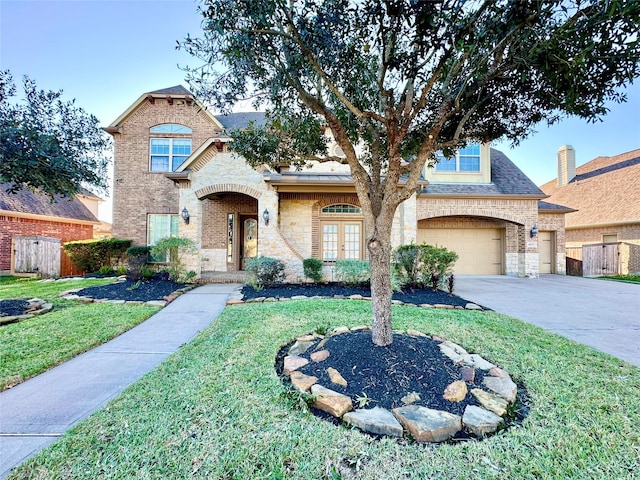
x=480, y=249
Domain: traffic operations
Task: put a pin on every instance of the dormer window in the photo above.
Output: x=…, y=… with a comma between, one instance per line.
x=466, y=160
x=167, y=154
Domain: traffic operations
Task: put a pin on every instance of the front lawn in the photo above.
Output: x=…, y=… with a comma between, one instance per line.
x=217, y=410
x=623, y=278
x=37, y=344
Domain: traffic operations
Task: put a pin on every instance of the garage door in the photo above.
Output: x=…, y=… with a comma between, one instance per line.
x=480, y=249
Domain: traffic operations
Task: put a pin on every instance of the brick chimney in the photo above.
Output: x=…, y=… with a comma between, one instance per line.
x=566, y=165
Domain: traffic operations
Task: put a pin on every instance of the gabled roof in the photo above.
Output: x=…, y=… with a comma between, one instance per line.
x=175, y=92
x=605, y=191
x=547, y=207
x=506, y=179
x=240, y=120
x=27, y=203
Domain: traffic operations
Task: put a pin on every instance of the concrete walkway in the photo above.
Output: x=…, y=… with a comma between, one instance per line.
x=600, y=313
x=35, y=413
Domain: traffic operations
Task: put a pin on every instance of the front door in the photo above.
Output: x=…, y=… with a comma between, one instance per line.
x=546, y=248
x=248, y=238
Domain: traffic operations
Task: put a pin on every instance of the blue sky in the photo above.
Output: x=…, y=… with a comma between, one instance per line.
x=106, y=53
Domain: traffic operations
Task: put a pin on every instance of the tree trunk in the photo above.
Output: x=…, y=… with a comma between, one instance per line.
x=379, y=246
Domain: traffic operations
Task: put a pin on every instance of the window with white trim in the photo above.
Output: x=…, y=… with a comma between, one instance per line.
x=466, y=159
x=168, y=153
x=160, y=226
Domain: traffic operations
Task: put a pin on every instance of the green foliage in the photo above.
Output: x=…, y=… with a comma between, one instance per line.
x=106, y=270
x=92, y=255
x=264, y=271
x=176, y=248
x=49, y=144
x=32, y=346
x=137, y=258
x=405, y=264
x=422, y=265
x=313, y=269
x=403, y=80
x=352, y=272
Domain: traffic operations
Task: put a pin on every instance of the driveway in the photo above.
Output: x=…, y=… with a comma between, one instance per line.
x=602, y=314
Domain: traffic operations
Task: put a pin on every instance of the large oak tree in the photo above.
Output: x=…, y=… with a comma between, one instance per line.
x=47, y=144
x=404, y=79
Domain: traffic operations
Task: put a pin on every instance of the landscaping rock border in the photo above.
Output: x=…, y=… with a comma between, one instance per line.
x=72, y=295
x=238, y=301
x=496, y=397
x=35, y=306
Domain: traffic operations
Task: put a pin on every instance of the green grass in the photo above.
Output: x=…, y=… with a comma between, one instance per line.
x=217, y=410
x=623, y=278
x=42, y=342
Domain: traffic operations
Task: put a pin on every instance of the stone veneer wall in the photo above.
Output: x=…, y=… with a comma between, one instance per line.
x=138, y=192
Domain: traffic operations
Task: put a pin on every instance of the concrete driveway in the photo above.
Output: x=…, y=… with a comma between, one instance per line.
x=602, y=314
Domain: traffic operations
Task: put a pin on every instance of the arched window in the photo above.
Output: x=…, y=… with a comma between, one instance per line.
x=342, y=208
x=170, y=128
x=168, y=149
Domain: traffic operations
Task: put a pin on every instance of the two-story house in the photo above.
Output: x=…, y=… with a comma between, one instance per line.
x=174, y=174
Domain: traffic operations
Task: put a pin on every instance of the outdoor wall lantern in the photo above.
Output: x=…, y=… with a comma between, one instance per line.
x=185, y=215
x=265, y=217
x=534, y=231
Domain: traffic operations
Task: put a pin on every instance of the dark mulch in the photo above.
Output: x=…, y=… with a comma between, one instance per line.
x=415, y=296
x=152, y=289
x=14, y=307
x=382, y=376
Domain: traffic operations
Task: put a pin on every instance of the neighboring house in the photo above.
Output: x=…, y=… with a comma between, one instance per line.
x=605, y=193
x=92, y=202
x=26, y=213
x=174, y=175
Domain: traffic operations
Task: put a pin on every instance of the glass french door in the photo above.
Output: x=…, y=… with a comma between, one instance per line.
x=341, y=241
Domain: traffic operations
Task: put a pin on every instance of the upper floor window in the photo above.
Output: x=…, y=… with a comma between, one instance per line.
x=466, y=159
x=170, y=128
x=167, y=154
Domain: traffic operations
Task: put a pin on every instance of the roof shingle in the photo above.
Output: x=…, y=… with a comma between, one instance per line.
x=26, y=201
x=605, y=190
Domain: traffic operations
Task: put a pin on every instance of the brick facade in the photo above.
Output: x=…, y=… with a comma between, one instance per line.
x=137, y=191
x=10, y=226
x=217, y=183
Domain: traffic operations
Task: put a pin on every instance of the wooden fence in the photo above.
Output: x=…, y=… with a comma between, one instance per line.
x=37, y=255
x=594, y=260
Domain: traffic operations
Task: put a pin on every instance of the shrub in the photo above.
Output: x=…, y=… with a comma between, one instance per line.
x=137, y=259
x=405, y=264
x=353, y=272
x=437, y=263
x=422, y=265
x=264, y=271
x=176, y=248
x=92, y=255
x=312, y=269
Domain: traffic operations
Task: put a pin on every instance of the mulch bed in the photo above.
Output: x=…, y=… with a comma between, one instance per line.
x=408, y=295
x=13, y=307
x=147, y=290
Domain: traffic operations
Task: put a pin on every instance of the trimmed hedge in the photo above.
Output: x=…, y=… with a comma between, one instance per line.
x=92, y=255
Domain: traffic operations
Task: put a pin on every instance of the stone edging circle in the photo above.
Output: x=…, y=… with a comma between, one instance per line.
x=497, y=397
x=36, y=306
